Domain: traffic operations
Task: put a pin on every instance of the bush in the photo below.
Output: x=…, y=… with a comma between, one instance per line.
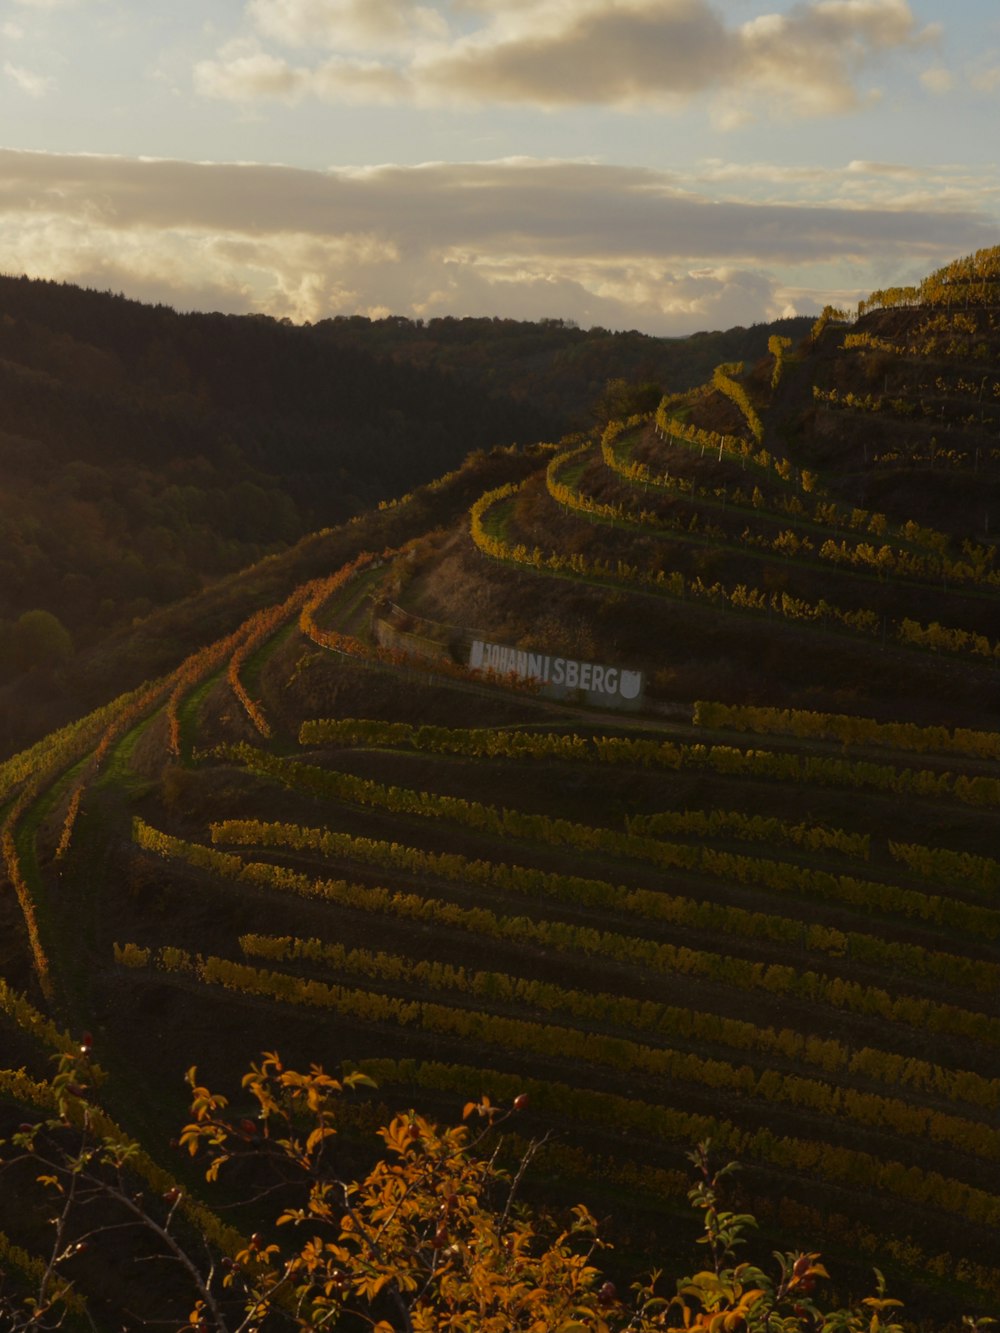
x=433, y=1237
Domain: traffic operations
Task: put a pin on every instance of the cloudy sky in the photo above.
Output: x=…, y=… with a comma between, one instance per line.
x=665, y=165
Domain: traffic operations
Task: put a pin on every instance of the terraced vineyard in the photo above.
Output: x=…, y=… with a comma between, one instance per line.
x=775, y=927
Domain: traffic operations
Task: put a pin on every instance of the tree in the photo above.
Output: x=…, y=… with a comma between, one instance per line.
x=41, y=641
x=622, y=399
x=433, y=1237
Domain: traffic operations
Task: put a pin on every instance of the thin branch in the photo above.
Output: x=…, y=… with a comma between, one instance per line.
x=529, y=1153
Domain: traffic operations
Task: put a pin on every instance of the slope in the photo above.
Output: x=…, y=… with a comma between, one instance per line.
x=760, y=908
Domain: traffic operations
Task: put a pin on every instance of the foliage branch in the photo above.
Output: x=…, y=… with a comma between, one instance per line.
x=433, y=1237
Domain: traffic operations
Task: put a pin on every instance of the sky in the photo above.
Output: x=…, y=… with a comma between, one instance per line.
x=661, y=165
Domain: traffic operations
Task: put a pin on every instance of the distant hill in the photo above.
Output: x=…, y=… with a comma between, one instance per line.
x=561, y=369
x=145, y=453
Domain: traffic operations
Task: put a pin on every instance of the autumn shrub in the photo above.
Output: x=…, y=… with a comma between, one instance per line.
x=434, y=1236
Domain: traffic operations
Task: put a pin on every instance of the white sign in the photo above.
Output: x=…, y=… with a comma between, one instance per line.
x=607, y=684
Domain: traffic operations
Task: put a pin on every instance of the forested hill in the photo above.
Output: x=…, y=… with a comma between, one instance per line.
x=145, y=453
x=553, y=364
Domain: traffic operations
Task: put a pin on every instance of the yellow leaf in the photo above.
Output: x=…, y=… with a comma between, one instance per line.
x=357, y=1080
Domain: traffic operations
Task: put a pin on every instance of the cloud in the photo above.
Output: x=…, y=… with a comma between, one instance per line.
x=863, y=168
x=553, y=54
x=339, y=25
x=859, y=185
x=986, y=79
x=938, y=80
x=612, y=245
x=35, y=85
x=245, y=73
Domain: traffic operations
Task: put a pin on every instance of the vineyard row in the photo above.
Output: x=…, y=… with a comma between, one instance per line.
x=773, y=978
x=527, y=881
x=846, y=729
x=620, y=1054
x=839, y=1165
x=868, y=623
x=825, y=1053
x=439, y=1077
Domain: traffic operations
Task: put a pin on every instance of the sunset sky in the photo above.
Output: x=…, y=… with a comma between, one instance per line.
x=665, y=165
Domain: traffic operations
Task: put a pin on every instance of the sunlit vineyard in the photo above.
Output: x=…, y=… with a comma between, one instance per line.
x=765, y=914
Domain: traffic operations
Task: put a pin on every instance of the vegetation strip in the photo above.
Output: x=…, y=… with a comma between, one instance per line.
x=844, y=1167
x=26, y=1091
x=651, y=905
x=776, y=876
x=825, y=1053
x=456, y=1080
x=620, y=1054
x=725, y=760
x=737, y=972
x=847, y=729
x=670, y=583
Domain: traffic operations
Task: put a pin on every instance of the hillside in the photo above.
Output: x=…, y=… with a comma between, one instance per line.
x=146, y=454
x=559, y=368
x=653, y=775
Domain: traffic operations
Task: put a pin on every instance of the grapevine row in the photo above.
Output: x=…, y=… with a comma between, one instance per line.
x=526, y=880
x=826, y=1053
x=847, y=729
x=24, y=1014
x=844, y=1167
x=826, y=513
x=671, y=427
x=17, y=1086
x=722, y=379
x=665, y=583
x=775, y=876
x=979, y=873
x=676, y=960
x=883, y=561
x=934, y=636
x=351, y=646
x=507, y=744
x=593, y=1048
